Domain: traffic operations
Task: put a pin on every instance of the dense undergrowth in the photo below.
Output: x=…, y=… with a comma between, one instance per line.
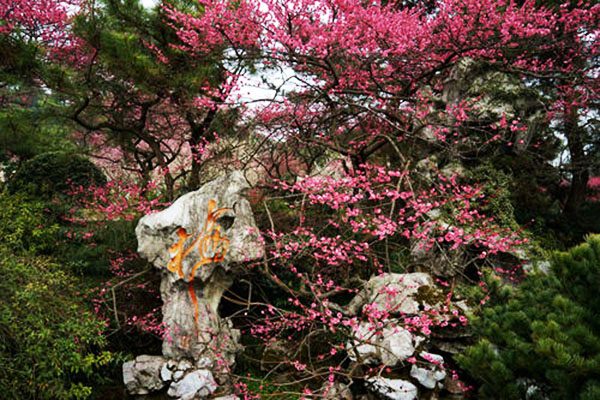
x=64, y=336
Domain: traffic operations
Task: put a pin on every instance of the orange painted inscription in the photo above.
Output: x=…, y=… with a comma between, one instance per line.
x=211, y=246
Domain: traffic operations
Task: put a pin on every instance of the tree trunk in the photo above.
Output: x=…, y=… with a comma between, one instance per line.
x=198, y=132
x=578, y=163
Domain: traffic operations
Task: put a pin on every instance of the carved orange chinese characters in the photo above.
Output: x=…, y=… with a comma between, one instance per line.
x=212, y=247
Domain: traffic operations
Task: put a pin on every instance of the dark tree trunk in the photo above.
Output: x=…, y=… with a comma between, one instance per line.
x=198, y=132
x=578, y=163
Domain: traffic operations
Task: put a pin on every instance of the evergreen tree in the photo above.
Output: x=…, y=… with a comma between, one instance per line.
x=542, y=338
x=139, y=97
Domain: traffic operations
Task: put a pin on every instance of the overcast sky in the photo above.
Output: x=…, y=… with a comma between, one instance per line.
x=148, y=3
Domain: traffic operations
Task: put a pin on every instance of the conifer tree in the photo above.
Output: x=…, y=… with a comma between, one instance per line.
x=542, y=338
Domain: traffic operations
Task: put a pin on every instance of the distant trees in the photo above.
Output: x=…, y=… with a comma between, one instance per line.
x=120, y=75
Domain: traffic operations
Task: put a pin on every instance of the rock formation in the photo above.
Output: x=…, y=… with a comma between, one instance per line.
x=386, y=342
x=196, y=243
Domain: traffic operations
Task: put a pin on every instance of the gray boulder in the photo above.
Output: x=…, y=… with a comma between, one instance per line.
x=394, y=293
x=143, y=375
x=392, y=389
x=196, y=243
x=431, y=374
x=199, y=383
x=388, y=345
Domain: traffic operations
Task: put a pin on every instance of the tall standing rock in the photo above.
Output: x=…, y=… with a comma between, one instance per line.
x=196, y=243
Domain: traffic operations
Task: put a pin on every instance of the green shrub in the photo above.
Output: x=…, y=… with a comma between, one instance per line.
x=542, y=338
x=496, y=186
x=110, y=238
x=49, y=343
x=24, y=227
x=49, y=174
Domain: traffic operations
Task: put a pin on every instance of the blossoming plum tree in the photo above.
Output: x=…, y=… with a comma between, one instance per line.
x=376, y=86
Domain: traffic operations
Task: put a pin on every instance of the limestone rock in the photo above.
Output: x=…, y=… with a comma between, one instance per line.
x=454, y=340
x=204, y=363
x=184, y=365
x=391, y=346
x=178, y=375
x=198, y=383
x=453, y=168
x=195, y=243
x=165, y=373
x=432, y=374
x=143, y=375
x=400, y=295
x=428, y=377
x=393, y=389
x=394, y=293
x=454, y=386
x=436, y=359
x=157, y=232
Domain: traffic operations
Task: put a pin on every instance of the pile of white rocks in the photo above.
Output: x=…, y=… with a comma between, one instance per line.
x=386, y=342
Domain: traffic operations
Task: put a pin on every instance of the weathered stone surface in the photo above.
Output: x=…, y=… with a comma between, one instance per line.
x=399, y=295
x=199, y=383
x=129, y=380
x=433, y=358
x=204, y=363
x=143, y=375
x=165, y=373
x=394, y=293
x=393, y=389
x=427, y=377
x=454, y=386
x=441, y=263
x=184, y=365
x=195, y=242
x=178, y=375
x=157, y=232
x=393, y=345
x=452, y=169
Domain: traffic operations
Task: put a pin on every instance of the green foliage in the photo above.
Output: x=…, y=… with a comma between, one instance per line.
x=268, y=389
x=28, y=131
x=53, y=173
x=23, y=225
x=50, y=344
x=109, y=238
x=19, y=59
x=542, y=338
x=496, y=187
